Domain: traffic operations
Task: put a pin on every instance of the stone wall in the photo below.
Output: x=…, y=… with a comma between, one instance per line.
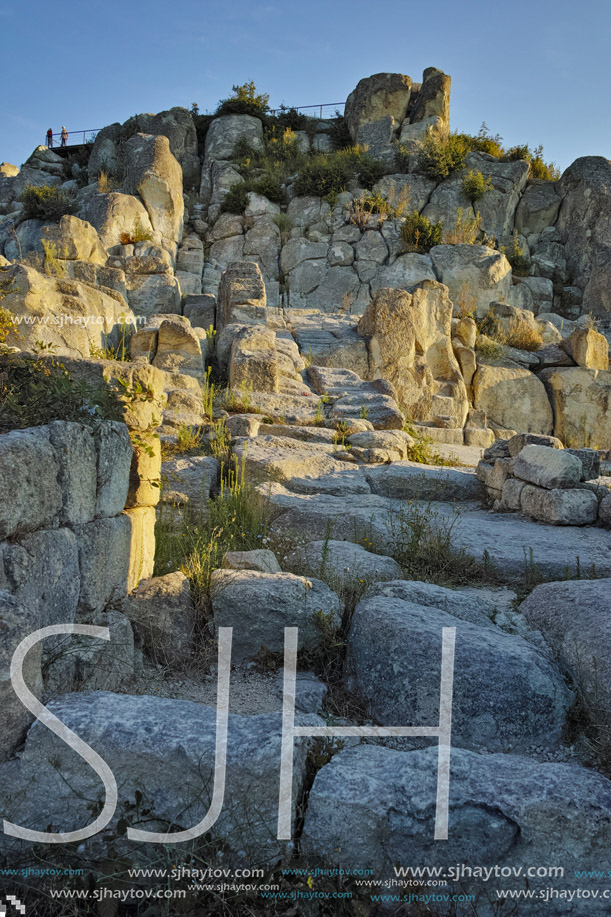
x=77, y=523
x=535, y=475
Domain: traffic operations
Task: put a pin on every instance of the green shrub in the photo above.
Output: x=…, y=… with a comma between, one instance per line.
x=328, y=173
x=339, y=133
x=36, y=392
x=438, y=158
x=466, y=231
x=46, y=202
x=520, y=263
x=418, y=234
x=541, y=170
x=483, y=142
x=244, y=101
x=236, y=199
x=515, y=153
x=291, y=118
x=474, y=185
x=270, y=186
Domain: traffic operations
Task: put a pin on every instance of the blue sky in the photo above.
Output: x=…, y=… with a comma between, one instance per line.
x=535, y=72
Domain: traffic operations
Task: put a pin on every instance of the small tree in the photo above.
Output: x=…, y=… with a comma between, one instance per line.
x=244, y=101
x=474, y=185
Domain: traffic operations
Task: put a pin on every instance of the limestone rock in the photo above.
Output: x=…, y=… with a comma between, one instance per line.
x=581, y=402
x=224, y=133
x=376, y=807
x=146, y=741
x=260, y=605
x=485, y=273
x=585, y=188
x=157, y=177
x=75, y=240
x=587, y=348
x=241, y=294
x=559, y=507
x=163, y=617
x=409, y=341
x=195, y=476
x=113, y=214
x=30, y=492
x=343, y=562
x=575, y=622
x=433, y=98
x=262, y=560
x=513, y=398
x=375, y=97
x=549, y=468
x=529, y=701
x=254, y=362
x=178, y=349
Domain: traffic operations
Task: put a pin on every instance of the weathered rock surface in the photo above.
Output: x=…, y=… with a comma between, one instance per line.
x=260, y=605
x=513, y=398
x=377, y=806
x=409, y=342
x=146, y=741
x=575, y=620
x=529, y=700
x=162, y=615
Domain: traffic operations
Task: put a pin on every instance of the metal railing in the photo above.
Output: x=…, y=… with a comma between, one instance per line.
x=89, y=136
x=91, y=133
x=336, y=106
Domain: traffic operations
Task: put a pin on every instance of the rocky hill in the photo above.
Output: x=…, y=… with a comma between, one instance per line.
x=345, y=375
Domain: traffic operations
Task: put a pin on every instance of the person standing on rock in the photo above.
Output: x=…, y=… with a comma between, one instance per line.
x=64, y=135
x=50, y=137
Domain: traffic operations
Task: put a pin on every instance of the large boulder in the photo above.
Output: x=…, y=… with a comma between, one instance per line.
x=585, y=188
x=375, y=97
x=147, y=742
x=376, y=808
x=163, y=617
x=529, y=701
x=260, y=605
x=254, y=361
x=480, y=272
x=513, y=398
x=587, y=348
x=75, y=240
x=242, y=296
x=114, y=214
x=581, y=399
x=156, y=176
x=547, y=467
x=559, y=506
x=225, y=131
x=408, y=336
x=432, y=99
x=71, y=315
x=176, y=124
x=30, y=493
x=342, y=562
x=575, y=620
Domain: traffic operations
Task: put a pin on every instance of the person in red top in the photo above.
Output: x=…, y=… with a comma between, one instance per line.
x=64, y=135
x=50, y=137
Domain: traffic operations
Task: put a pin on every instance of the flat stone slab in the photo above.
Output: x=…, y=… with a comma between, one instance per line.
x=513, y=543
x=412, y=480
x=304, y=467
x=164, y=748
x=376, y=807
